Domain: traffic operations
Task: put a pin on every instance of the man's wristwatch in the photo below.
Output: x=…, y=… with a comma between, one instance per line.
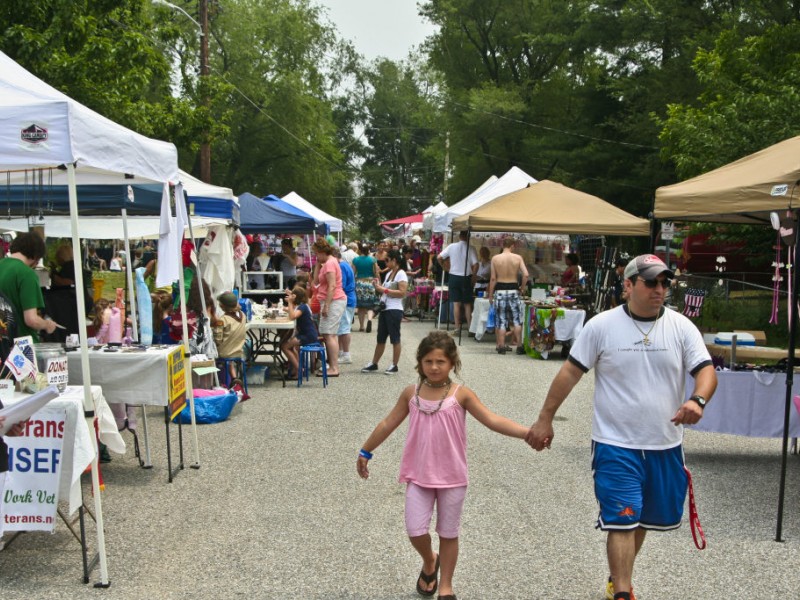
x=700, y=400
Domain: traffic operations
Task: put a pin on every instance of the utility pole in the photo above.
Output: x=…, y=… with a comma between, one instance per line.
x=446, y=164
x=205, y=146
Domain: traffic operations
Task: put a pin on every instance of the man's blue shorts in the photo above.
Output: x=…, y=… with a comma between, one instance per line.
x=638, y=488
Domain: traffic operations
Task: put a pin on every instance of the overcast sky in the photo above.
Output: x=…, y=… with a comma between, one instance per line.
x=387, y=28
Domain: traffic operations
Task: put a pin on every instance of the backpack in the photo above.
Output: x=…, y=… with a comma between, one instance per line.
x=8, y=327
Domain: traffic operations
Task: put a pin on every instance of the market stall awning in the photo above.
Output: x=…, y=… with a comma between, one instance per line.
x=403, y=220
x=298, y=201
x=261, y=216
x=744, y=191
x=550, y=207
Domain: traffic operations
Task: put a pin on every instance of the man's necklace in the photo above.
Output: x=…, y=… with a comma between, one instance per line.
x=445, y=385
x=645, y=336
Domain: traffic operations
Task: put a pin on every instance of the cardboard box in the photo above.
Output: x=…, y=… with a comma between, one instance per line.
x=205, y=378
x=759, y=336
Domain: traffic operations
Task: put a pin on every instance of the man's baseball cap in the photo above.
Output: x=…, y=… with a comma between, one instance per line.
x=647, y=266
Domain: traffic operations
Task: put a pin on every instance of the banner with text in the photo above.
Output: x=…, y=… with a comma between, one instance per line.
x=30, y=496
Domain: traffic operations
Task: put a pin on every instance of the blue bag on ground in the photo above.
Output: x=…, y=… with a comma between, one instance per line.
x=209, y=409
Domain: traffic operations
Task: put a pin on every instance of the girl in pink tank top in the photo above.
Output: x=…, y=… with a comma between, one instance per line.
x=434, y=462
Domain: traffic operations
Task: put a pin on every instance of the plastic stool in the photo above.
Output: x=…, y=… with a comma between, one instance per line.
x=305, y=363
x=241, y=369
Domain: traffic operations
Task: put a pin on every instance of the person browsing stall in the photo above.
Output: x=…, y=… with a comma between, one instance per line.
x=20, y=284
x=332, y=302
x=463, y=266
x=434, y=461
x=640, y=353
x=505, y=286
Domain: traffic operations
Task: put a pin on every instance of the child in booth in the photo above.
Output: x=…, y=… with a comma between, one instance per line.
x=162, y=317
x=101, y=319
x=229, y=331
x=305, y=330
x=434, y=461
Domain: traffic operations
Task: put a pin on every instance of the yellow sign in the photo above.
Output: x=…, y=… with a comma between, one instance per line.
x=176, y=376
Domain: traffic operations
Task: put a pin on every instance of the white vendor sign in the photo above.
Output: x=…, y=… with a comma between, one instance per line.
x=30, y=496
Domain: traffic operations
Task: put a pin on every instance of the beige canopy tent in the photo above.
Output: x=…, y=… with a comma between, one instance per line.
x=550, y=207
x=744, y=191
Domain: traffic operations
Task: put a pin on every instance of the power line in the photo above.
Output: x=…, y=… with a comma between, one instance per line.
x=546, y=128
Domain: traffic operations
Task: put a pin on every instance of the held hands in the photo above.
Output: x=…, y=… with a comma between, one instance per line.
x=688, y=414
x=361, y=467
x=540, y=435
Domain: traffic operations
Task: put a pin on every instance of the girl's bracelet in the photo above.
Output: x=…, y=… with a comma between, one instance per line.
x=365, y=454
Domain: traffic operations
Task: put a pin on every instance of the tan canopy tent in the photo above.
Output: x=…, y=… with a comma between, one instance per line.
x=549, y=207
x=744, y=191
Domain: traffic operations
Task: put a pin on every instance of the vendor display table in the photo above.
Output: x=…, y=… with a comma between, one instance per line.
x=78, y=450
x=266, y=336
x=749, y=403
x=567, y=325
x=154, y=377
x=750, y=353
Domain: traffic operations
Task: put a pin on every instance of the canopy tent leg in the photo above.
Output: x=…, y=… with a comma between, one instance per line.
x=789, y=382
x=189, y=388
x=87, y=383
x=129, y=275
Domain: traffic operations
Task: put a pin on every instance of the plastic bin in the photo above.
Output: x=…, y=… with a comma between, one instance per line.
x=723, y=338
x=212, y=408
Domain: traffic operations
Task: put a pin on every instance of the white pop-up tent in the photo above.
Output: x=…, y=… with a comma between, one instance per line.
x=296, y=200
x=41, y=128
x=514, y=179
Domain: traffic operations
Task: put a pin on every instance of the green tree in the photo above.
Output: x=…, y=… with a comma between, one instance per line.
x=402, y=171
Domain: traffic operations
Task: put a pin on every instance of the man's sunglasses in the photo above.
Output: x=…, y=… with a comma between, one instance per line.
x=652, y=283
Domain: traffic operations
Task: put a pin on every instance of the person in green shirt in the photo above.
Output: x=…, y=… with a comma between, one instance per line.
x=20, y=284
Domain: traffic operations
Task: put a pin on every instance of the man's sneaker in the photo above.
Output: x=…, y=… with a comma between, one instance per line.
x=456, y=332
x=521, y=349
x=610, y=591
x=344, y=359
x=369, y=326
x=391, y=370
x=369, y=368
x=500, y=349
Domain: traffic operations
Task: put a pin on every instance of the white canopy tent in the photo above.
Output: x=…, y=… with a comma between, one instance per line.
x=41, y=128
x=514, y=179
x=436, y=221
x=196, y=187
x=296, y=200
x=108, y=228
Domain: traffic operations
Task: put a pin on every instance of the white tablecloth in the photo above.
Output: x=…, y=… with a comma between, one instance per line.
x=78, y=450
x=127, y=377
x=747, y=403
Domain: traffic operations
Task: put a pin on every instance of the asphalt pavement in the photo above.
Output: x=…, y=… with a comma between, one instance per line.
x=277, y=511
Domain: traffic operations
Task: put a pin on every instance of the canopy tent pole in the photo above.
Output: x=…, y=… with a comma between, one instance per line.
x=789, y=382
x=189, y=388
x=87, y=380
x=181, y=217
x=129, y=275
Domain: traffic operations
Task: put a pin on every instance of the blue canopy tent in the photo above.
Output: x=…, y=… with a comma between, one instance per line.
x=272, y=215
x=40, y=198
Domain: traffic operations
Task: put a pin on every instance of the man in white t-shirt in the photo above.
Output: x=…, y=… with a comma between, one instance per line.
x=461, y=278
x=640, y=352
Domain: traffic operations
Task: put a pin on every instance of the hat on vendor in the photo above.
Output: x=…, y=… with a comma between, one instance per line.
x=416, y=238
x=646, y=266
x=228, y=300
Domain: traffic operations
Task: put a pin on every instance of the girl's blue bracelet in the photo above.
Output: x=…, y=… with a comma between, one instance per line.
x=365, y=454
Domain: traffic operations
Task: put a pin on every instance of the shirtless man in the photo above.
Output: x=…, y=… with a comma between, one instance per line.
x=505, y=289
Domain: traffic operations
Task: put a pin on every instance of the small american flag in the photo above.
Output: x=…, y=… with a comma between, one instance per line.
x=693, y=302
